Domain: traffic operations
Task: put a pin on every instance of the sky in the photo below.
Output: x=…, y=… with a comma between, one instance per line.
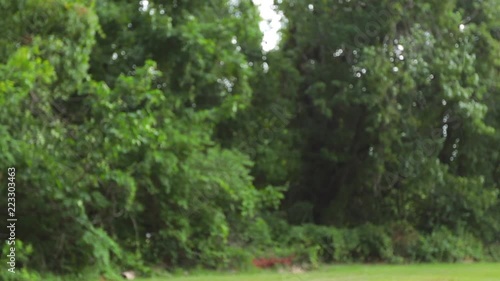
x=270, y=24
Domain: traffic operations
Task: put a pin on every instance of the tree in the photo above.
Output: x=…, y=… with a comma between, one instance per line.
x=393, y=100
x=119, y=151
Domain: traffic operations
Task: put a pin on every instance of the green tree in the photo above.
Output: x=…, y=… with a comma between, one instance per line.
x=393, y=100
x=116, y=154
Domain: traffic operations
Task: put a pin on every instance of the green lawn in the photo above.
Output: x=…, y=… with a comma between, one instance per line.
x=427, y=272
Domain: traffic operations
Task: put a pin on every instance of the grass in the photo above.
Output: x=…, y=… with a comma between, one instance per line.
x=420, y=272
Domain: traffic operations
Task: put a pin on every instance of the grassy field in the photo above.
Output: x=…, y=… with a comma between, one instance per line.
x=427, y=272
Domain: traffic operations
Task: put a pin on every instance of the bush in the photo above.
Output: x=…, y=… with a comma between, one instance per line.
x=278, y=226
x=315, y=244
x=309, y=243
x=134, y=261
x=405, y=239
x=258, y=233
x=23, y=253
x=339, y=248
x=329, y=244
x=374, y=243
x=443, y=246
x=20, y=275
x=238, y=258
x=494, y=252
x=310, y=256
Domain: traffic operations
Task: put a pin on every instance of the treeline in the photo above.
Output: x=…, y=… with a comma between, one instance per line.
x=159, y=134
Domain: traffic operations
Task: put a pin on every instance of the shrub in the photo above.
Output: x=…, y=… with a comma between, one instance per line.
x=238, y=258
x=443, y=246
x=311, y=243
x=329, y=244
x=20, y=275
x=258, y=233
x=405, y=239
x=374, y=243
x=278, y=227
x=494, y=252
x=23, y=253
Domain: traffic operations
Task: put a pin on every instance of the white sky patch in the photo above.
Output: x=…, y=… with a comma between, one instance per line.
x=270, y=24
x=144, y=4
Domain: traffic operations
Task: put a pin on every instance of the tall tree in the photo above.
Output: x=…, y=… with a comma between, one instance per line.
x=393, y=100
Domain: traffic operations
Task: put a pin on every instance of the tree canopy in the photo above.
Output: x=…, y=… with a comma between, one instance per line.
x=159, y=133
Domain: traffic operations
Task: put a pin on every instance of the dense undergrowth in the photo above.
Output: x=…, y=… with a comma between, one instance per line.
x=311, y=246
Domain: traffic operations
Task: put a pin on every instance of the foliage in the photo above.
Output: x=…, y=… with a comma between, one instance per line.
x=159, y=133
x=113, y=154
x=443, y=245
